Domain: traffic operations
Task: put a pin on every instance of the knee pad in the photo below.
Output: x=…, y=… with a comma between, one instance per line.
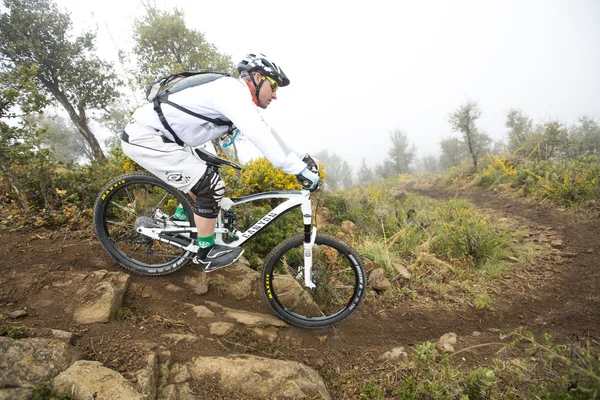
x=209, y=192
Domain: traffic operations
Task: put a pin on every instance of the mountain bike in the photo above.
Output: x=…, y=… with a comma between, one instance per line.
x=309, y=280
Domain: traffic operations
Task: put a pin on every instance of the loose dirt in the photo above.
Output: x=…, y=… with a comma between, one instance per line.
x=560, y=296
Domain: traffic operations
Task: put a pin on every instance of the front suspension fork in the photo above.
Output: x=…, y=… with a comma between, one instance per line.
x=310, y=234
x=308, y=258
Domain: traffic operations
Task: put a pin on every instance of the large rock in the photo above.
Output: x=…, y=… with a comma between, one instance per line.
x=100, y=296
x=197, y=281
x=378, y=281
x=290, y=291
x=254, y=319
x=238, y=280
x=19, y=393
x=90, y=379
x=397, y=354
x=447, y=342
x=147, y=378
x=249, y=318
x=27, y=362
x=179, y=391
x=261, y=377
x=348, y=227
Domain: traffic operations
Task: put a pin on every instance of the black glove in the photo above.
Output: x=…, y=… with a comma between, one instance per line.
x=311, y=163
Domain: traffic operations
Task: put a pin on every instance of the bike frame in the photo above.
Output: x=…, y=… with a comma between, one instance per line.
x=293, y=199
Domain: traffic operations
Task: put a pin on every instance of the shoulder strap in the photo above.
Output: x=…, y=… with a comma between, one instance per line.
x=164, y=98
x=215, y=121
x=164, y=122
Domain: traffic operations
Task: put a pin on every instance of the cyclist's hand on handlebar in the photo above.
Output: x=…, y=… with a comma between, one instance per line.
x=308, y=179
x=311, y=163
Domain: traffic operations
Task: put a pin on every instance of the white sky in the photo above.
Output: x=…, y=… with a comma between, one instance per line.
x=359, y=70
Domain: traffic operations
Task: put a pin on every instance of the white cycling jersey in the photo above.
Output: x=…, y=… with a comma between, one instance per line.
x=225, y=98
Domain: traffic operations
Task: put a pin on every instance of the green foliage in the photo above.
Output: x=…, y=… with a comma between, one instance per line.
x=365, y=174
x=401, y=153
x=45, y=391
x=165, y=45
x=284, y=227
x=12, y=332
x=257, y=176
x=339, y=172
x=520, y=128
x=453, y=252
x=63, y=137
x=454, y=151
x=478, y=382
x=552, y=370
x=340, y=207
x=465, y=234
x=51, y=193
x=568, y=182
x=424, y=354
x=35, y=38
x=372, y=391
x=463, y=121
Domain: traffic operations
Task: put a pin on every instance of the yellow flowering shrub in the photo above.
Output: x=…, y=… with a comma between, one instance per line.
x=257, y=176
x=499, y=169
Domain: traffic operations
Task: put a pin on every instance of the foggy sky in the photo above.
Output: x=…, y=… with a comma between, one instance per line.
x=359, y=70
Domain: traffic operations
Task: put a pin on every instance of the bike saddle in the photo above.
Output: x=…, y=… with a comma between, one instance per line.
x=214, y=160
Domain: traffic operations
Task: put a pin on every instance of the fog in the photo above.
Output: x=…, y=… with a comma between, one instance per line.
x=359, y=70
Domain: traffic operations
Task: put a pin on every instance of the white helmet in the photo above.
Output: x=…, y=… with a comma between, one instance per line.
x=260, y=62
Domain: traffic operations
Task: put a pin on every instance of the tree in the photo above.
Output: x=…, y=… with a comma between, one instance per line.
x=34, y=34
x=165, y=45
x=63, y=137
x=400, y=152
x=454, y=151
x=339, y=172
x=430, y=164
x=585, y=137
x=520, y=128
x=385, y=169
x=365, y=174
x=115, y=120
x=19, y=142
x=554, y=140
x=463, y=121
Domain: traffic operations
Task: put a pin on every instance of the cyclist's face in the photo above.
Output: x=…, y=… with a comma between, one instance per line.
x=266, y=94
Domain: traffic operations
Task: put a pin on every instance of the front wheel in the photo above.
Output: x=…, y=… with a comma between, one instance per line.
x=337, y=273
x=142, y=200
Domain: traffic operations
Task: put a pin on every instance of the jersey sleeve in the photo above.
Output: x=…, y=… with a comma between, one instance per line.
x=237, y=106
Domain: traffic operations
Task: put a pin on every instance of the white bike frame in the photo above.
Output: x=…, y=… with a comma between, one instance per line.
x=293, y=199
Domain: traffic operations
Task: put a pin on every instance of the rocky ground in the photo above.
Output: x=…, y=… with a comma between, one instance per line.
x=92, y=328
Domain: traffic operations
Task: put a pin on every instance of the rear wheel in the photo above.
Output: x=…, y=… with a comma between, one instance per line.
x=337, y=273
x=141, y=199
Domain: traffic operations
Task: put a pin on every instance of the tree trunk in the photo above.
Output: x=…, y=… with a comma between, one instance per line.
x=21, y=197
x=470, y=143
x=80, y=121
x=235, y=152
x=218, y=150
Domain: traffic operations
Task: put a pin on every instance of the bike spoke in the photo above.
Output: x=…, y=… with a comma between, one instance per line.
x=127, y=210
x=159, y=203
x=123, y=224
x=342, y=286
x=129, y=196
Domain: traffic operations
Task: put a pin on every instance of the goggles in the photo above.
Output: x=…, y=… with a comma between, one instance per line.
x=273, y=82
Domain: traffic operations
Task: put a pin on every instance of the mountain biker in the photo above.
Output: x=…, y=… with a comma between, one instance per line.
x=146, y=141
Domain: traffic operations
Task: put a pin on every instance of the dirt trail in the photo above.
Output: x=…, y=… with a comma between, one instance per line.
x=560, y=297
x=569, y=302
